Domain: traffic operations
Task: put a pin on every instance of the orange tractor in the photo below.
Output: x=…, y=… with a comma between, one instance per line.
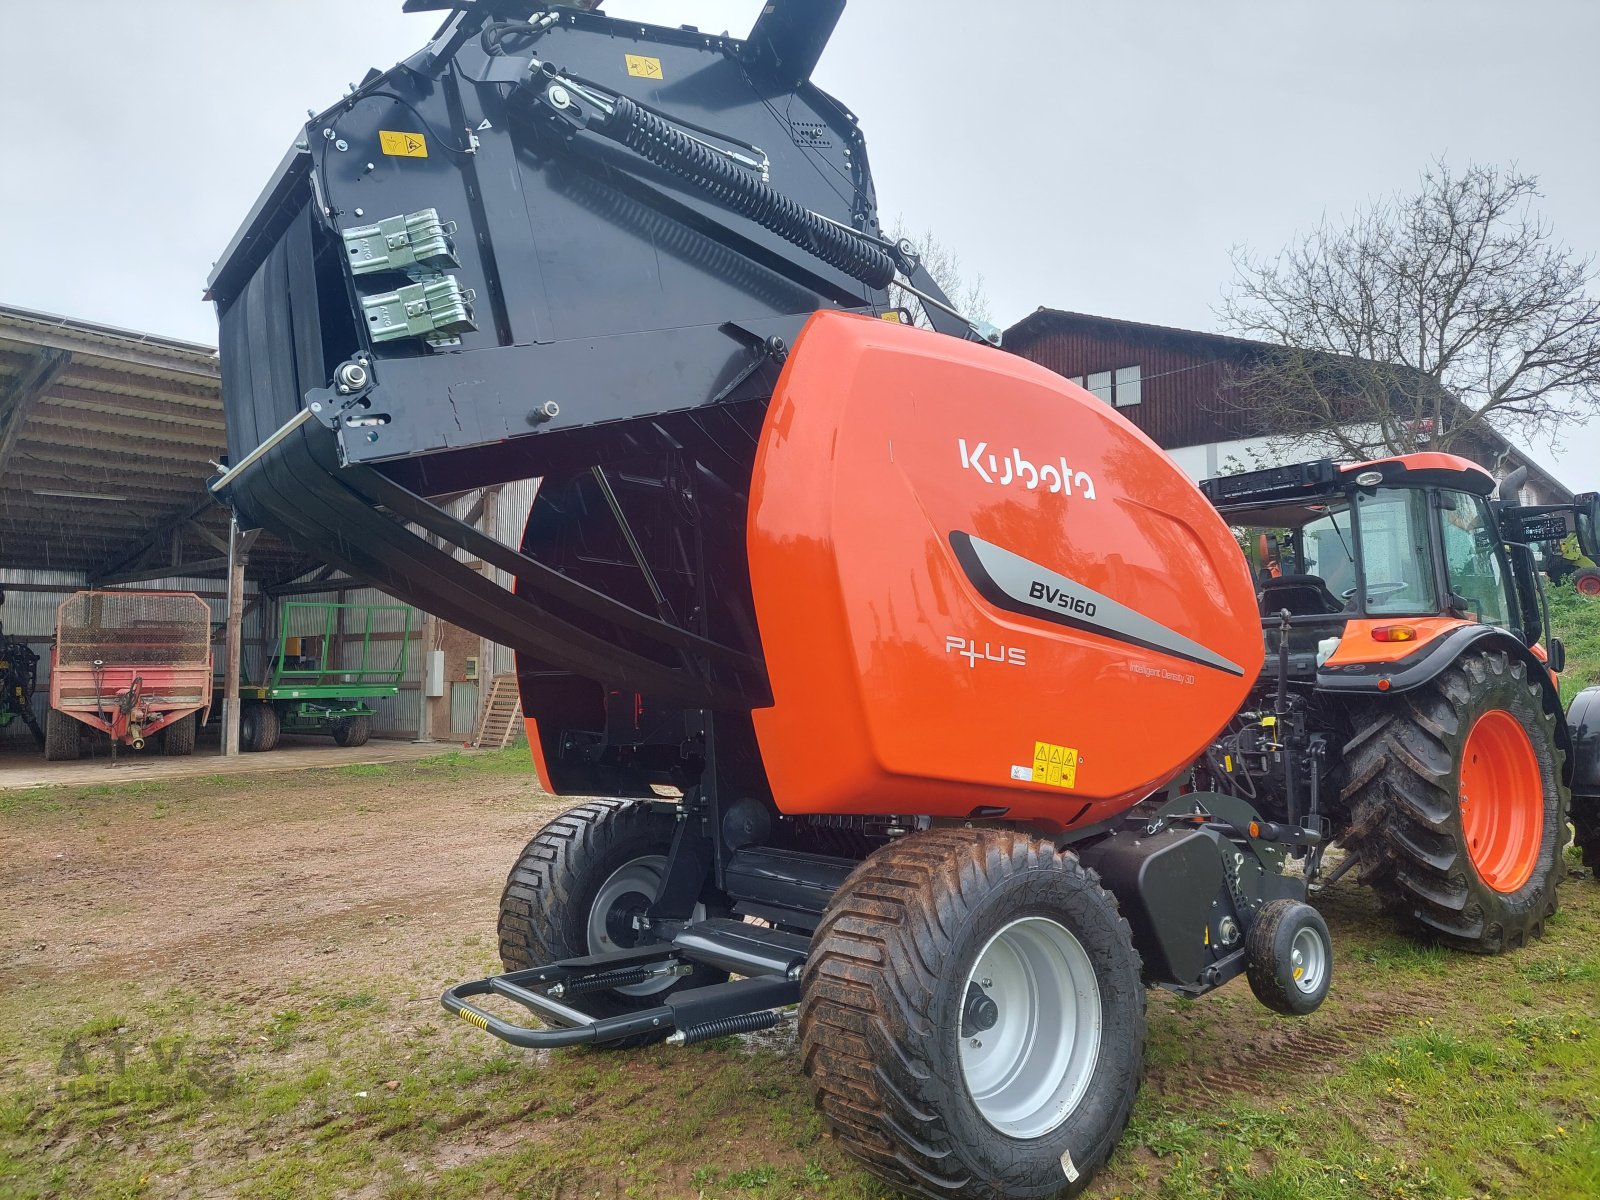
x=915, y=692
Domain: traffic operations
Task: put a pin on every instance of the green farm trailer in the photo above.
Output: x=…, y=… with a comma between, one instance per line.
x=329, y=662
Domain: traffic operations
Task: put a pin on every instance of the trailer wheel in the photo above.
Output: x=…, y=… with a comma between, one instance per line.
x=62, y=737
x=352, y=731
x=178, y=738
x=1289, y=957
x=259, y=727
x=575, y=890
x=1458, y=811
x=1586, y=580
x=972, y=1016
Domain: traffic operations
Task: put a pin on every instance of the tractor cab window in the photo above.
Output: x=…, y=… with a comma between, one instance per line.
x=1396, y=560
x=1473, y=566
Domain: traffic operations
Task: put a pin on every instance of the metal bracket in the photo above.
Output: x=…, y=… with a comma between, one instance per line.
x=352, y=380
x=435, y=309
x=419, y=244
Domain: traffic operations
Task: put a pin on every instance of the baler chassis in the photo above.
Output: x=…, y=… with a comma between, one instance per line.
x=1163, y=862
x=770, y=959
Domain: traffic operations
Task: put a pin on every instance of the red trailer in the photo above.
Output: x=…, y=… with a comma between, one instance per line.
x=131, y=664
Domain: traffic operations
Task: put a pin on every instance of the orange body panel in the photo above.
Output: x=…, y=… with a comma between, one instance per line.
x=1358, y=646
x=978, y=587
x=540, y=767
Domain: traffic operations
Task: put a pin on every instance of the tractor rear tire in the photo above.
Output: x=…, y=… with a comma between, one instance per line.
x=972, y=1017
x=1458, y=811
x=178, y=738
x=62, y=737
x=573, y=889
x=259, y=727
x=352, y=731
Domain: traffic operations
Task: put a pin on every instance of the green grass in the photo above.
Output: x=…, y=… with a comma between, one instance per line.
x=1575, y=620
x=451, y=766
x=1455, y=1077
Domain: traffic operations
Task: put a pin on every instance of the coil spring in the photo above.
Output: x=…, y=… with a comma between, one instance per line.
x=622, y=977
x=652, y=138
x=722, y=1026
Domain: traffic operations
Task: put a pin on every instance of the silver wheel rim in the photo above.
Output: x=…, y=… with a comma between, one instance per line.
x=642, y=875
x=1308, y=960
x=1028, y=1072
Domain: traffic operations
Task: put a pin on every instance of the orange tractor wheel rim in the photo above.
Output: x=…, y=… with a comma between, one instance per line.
x=1502, y=801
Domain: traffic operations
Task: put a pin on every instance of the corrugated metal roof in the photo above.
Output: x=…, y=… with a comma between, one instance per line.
x=107, y=439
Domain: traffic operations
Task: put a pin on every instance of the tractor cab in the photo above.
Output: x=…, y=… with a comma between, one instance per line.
x=1367, y=565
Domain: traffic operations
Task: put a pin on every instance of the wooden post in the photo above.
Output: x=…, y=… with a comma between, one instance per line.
x=235, y=641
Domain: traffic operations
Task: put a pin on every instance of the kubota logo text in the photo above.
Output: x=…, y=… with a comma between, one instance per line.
x=1005, y=470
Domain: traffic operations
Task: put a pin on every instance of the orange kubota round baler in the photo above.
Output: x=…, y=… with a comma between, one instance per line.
x=905, y=687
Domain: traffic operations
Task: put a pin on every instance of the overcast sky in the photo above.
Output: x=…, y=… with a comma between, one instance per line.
x=1098, y=156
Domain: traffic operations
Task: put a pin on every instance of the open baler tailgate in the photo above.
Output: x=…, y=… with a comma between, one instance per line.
x=497, y=262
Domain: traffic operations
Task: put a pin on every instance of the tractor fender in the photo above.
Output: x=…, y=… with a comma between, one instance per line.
x=1434, y=657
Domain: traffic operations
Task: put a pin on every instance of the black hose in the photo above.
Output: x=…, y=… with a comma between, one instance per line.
x=654, y=139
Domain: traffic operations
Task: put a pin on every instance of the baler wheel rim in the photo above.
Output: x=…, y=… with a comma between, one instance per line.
x=1029, y=1070
x=640, y=877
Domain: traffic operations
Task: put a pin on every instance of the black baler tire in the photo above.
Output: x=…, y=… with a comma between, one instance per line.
x=880, y=1017
x=545, y=906
x=259, y=727
x=1403, y=768
x=352, y=731
x=1586, y=828
x=1267, y=952
x=177, y=739
x=62, y=737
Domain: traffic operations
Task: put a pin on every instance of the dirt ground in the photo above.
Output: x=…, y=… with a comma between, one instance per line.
x=228, y=986
x=328, y=863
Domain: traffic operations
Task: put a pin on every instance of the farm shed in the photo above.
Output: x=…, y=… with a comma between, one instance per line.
x=108, y=439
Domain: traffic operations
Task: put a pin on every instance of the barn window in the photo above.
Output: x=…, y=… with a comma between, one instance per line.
x=1127, y=387
x=1100, y=384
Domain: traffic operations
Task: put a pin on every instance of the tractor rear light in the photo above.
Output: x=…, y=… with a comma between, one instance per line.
x=1394, y=633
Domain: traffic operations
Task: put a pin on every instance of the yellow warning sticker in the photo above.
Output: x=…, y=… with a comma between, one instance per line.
x=1055, y=765
x=403, y=145
x=644, y=67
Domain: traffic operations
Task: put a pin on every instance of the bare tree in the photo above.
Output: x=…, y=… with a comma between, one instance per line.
x=966, y=292
x=1423, y=320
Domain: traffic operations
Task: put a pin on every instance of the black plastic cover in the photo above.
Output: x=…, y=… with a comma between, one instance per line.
x=1165, y=886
